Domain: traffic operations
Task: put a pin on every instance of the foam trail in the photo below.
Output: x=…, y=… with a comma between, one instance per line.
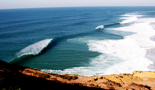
x=35, y=48
x=127, y=49
x=131, y=15
x=128, y=19
x=100, y=27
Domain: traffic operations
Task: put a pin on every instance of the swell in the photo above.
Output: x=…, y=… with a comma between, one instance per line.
x=30, y=23
x=112, y=24
x=17, y=21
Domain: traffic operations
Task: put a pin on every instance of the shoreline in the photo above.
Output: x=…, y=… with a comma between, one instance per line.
x=18, y=77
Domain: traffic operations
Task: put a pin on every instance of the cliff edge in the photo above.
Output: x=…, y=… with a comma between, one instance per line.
x=18, y=77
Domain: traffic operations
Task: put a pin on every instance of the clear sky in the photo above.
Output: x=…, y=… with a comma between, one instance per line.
x=5, y=4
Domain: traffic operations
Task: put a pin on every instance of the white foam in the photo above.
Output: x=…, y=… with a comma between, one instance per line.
x=126, y=49
x=146, y=20
x=100, y=27
x=131, y=15
x=138, y=64
x=131, y=49
x=128, y=19
x=34, y=49
x=142, y=34
x=87, y=71
x=97, y=66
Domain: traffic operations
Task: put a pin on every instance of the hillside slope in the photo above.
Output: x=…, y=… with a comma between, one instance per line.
x=18, y=77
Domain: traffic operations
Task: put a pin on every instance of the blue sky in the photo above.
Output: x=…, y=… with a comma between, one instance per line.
x=5, y=4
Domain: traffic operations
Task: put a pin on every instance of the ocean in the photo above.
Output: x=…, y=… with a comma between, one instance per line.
x=64, y=40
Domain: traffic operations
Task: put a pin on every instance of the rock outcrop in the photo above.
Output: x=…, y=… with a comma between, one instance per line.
x=17, y=77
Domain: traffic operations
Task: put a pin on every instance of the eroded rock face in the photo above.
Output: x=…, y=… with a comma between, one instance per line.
x=13, y=76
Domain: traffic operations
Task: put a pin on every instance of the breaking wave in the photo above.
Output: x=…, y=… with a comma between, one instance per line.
x=34, y=49
x=128, y=19
x=100, y=27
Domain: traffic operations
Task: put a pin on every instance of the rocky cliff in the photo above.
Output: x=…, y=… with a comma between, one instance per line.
x=17, y=77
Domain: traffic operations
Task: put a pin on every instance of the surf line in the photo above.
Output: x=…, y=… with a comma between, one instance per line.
x=127, y=20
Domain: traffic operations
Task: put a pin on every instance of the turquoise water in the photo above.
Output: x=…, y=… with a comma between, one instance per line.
x=64, y=40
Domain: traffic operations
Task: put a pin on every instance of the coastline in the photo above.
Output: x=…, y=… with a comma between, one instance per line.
x=18, y=77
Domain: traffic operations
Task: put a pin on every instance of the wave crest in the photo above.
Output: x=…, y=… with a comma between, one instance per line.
x=99, y=27
x=34, y=49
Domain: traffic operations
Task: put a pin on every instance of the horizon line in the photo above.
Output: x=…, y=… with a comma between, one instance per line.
x=69, y=7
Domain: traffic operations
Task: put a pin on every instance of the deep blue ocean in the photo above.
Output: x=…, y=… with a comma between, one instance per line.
x=65, y=41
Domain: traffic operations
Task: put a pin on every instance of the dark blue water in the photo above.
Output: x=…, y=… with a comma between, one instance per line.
x=64, y=40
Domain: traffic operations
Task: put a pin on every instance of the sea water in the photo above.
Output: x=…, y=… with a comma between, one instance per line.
x=65, y=41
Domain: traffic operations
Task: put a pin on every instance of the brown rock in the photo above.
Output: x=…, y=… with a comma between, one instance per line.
x=17, y=77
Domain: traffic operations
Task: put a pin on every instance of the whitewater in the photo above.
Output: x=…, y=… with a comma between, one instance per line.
x=132, y=49
x=128, y=53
